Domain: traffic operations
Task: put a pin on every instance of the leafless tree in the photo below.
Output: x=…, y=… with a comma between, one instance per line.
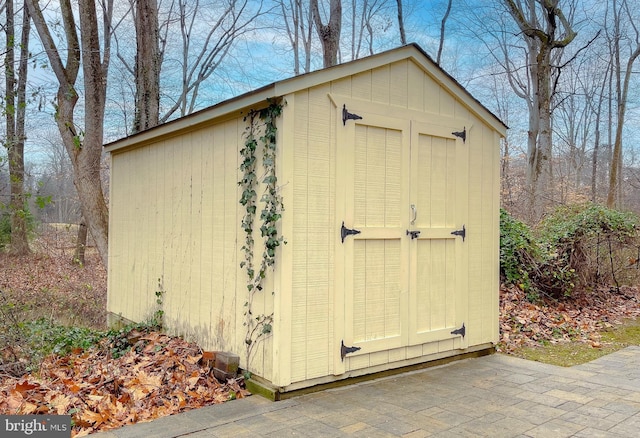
x=15, y=112
x=622, y=74
x=401, y=31
x=576, y=121
x=442, y=30
x=370, y=19
x=202, y=48
x=55, y=175
x=83, y=143
x=296, y=16
x=546, y=30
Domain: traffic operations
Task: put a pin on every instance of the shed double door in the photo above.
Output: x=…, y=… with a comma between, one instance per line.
x=402, y=197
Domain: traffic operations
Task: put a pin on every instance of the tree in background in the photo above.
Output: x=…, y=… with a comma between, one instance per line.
x=296, y=16
x=15, y=104
x=622, y=74
x=329, y=33
x=147, y=65
x=55, y=181
x=199, y=51
x=443, y=25
x=545, y=29
x=83, y=144
x=403, y=35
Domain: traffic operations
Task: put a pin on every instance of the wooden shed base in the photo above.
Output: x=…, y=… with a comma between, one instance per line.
x=258, y=386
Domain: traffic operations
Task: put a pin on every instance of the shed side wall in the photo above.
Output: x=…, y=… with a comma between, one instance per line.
x=174, y=224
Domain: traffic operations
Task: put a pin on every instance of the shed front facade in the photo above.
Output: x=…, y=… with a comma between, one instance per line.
x=389, y=174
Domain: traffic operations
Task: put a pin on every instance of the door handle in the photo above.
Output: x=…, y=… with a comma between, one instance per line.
x=414, y=214
x=414, y=234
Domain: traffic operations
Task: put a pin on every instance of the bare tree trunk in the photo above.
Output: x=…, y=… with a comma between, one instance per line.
x=596, y=142
x=147, y=67
x=543, y=163
x=83, y=146
x=293, y=29
x=330, y=33
x=298, y=25
x=613, y=195
x=15, y=112
x=403, y=36
x=442, y=29
x=81, y=244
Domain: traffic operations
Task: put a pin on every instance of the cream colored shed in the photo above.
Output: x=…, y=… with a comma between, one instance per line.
x=389, y=174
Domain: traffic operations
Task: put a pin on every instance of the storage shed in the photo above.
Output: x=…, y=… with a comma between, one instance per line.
x=388, y=170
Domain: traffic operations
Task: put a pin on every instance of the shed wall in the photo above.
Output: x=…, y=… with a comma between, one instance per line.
x=410, y=93
x=175, y=227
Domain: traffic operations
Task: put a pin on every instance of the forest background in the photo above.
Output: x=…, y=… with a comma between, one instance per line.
x=560, y=73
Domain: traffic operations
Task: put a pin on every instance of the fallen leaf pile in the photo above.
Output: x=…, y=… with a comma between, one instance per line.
x=48, y=285
x=159, y=376
x=523, y=323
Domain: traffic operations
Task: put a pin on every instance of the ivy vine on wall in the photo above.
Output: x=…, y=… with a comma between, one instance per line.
x=264, y=120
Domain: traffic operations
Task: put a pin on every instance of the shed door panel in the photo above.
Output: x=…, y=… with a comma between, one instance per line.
x=396, y=176
x=376, y=183
x=438, y=200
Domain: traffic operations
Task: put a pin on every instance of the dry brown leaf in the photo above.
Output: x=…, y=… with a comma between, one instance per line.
x=24, y=386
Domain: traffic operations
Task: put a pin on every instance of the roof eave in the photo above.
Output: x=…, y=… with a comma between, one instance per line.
x=194, y=120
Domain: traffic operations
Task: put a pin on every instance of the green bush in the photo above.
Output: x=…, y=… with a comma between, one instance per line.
x=580, y=246
x=569, y=223
x=587, y=245
x=518, y=252
x=5, y=230
x=5, y=225
x=44, y=338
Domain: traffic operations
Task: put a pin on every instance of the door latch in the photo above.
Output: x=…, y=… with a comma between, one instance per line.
x=414, y=234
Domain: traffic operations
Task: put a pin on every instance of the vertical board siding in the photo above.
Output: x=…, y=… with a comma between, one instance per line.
x=361, y=86
x=376, y=289
x=398, y=84
x=299, y=212
x=206, y=235
x=318, y=232
x=380, y=89
x=312, y=225
x=175, y=218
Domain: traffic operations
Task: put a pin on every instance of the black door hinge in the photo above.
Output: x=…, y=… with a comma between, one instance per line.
x=461, y=331
x=462, y=233
x=346, y=350
x=346, y=115
x=344, y=232
x=461, y=134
